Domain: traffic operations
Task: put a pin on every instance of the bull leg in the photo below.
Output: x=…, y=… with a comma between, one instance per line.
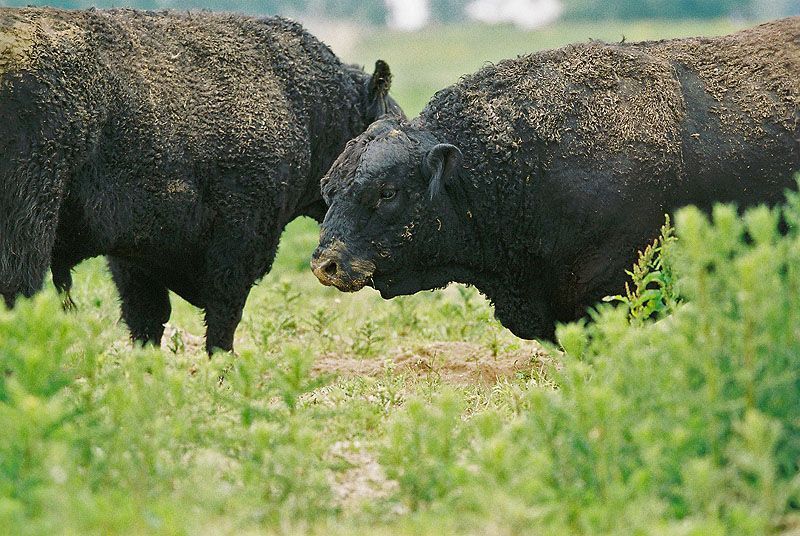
x=62, y=279
x=145, y=302
x=26, y=279
x=9, y=300
x=223, y=314
x=227, y=285
x=231, y=270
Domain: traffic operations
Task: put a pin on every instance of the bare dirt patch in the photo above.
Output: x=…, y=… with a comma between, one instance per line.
x=459, y=363
x=364, y=479
x=452, y=362
x=179, y=340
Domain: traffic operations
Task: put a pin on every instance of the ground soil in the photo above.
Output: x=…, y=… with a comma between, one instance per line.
x=453, y=362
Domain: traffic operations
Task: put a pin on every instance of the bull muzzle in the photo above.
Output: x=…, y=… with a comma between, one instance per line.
x=334, y=267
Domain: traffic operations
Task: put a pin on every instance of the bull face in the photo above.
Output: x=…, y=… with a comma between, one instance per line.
x=389, y=225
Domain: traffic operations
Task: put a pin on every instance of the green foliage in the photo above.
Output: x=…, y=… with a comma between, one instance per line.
x=34, y=407
x=122, y=442
x=689, y=425
x=422, y=447
x=653, y=278
x=367, y=339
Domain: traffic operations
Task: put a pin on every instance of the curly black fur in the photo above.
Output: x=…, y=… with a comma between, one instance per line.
x=177, y=144
x=538, y=179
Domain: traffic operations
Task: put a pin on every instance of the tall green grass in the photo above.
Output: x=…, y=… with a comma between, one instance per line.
x=687, y=423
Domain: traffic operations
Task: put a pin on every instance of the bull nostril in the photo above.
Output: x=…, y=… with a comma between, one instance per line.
x=330, y=268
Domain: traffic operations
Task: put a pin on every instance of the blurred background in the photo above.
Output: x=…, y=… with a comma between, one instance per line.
x=430, y=43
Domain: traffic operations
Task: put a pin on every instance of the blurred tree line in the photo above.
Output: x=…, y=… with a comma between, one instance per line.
x=375, y=11
x=678, y=9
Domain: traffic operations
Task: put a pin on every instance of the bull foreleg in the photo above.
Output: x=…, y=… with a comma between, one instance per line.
x=62, y=279
x=232, y=267
x=223, y=314
x=145, y=302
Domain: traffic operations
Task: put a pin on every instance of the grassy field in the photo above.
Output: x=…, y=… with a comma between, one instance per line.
x=347, y=414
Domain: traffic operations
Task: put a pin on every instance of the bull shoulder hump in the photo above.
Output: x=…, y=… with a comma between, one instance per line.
x=595, y=99
x=592, y=97
x=752, y=75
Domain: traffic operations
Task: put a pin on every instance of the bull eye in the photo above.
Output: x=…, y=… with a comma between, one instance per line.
x=387, y=194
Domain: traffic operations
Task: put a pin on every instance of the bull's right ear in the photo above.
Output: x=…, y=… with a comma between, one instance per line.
x=378, y=91
x=441, y=165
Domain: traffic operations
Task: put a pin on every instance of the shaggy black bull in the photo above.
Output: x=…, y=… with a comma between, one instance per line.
x=179, y=145
x=538, y=179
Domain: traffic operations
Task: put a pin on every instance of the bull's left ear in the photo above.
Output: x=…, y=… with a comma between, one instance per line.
x=378, y=91
x=441, y=165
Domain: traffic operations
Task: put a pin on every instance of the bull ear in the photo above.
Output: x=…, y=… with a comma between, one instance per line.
x=441, y=165
x=378, y=91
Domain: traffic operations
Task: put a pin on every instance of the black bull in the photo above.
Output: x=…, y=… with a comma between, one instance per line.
x=179, y=145
x=538, y=179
